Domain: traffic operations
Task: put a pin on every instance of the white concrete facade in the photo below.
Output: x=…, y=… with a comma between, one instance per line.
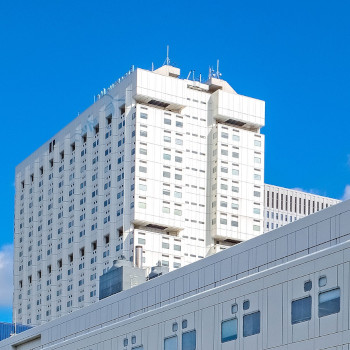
x=283, y=205
x=286, y=289
x=170, y=164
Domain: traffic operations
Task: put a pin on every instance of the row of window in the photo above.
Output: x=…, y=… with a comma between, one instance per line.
x=297, y=205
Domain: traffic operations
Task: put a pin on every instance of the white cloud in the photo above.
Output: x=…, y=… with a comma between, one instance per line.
x=346, y=194
x=311, y=191
x=6, y=274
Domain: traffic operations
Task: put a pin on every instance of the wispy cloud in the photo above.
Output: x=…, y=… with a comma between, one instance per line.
x=312, y=191
x=6, y=271
x=346, y=194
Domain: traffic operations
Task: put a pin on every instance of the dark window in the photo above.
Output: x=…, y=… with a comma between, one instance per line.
x=246, y=305
x=307, y=286
x=251, y=324
x=329, y=302
x=301, y=310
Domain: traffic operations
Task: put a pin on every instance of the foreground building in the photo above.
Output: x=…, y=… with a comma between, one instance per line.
x=173, y=165
x=286, y=289
x=283, y=206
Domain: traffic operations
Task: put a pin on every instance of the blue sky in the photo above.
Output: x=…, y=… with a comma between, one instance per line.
x=56, y=55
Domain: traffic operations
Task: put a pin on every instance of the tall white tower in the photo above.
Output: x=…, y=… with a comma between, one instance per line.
x=173, y=165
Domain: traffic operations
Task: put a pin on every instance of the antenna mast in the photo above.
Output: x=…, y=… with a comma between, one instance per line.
x=167, y=60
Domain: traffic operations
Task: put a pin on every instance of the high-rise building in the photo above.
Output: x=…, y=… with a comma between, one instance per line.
x=283, y=205
x=173, y=165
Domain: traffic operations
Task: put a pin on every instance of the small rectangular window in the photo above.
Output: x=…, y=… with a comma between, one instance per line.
x=251, y=324
x=189, y=340
x=229, y=330
x=170, y=343
x=329, y=302
x=301, y=310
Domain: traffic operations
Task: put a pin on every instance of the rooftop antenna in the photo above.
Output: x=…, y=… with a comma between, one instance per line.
x=167, y=60
x=210, y=73
x=218, y=74
x=193, y=74
x=152, y=66
x=189, y=74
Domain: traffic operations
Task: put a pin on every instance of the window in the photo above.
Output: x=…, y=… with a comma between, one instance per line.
x=177, y=194
x=143, y=187
x=143, y=116
x=246, y=305
x=189, y=340
x=329, y=302
x=257, y=160
x=235, y=189
x=170, y=343
x=251, y=324
x=167, y=121
x=234, y=308
x=307, y=286
x=322, y=281
x=257, y=143
x=235, y=137
x=166, y=156
x=301, y=310
x=229, y=330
